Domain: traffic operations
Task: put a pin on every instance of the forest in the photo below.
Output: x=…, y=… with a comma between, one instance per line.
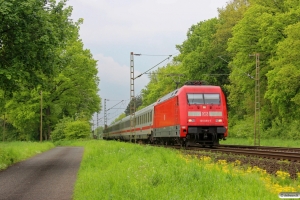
x=48, y=81
x=222, y=51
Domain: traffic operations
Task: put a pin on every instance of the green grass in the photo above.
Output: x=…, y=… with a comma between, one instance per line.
x=117, y=170
x=263, y=142
x=12, y=152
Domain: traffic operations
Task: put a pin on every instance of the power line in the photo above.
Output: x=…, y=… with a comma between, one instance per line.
x=114, y=105
x=153, y=66
x=150, y=55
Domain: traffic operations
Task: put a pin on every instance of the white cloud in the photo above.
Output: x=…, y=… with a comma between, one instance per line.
x=124, y=22
x=112, y=71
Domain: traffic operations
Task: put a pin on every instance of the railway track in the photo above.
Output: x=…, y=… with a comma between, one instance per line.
x=274, y=154
x=278, y=153
x=265, y=148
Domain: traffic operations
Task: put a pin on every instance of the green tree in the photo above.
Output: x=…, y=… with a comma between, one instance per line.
x=260, y=31
x=69, y=92
x=31, y=31
x=197, y=54
x=283, y=80
x=138, y=103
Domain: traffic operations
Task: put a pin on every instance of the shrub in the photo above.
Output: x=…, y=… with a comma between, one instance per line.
x=77, y=130
x=294, y=128
x=242, y=128
x=59, y=130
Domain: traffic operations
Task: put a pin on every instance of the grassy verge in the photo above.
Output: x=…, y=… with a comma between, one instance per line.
x=263, y=142
x=12, y=152
x=116, y=170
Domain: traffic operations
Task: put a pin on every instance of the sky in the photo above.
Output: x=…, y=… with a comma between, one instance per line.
x=112, y=29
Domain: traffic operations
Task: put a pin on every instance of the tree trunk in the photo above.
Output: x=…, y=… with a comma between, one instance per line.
x=48, y=113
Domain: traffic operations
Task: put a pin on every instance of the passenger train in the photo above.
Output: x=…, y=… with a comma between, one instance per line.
x=195, y=114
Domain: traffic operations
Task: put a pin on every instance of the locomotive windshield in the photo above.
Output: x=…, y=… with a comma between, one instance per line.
x=203, y=98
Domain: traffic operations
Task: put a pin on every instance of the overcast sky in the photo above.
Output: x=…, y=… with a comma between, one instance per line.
x=114, y=28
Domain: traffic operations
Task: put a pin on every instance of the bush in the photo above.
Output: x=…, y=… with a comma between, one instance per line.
x=284, y=130
x=77, y=130
x=59, y=130
x=242, y=128
x=293, y=132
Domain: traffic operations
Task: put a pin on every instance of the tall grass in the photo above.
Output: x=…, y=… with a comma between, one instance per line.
x=115, y=170
x=12, y=152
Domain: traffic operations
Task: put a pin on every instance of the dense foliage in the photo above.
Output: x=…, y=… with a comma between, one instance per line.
x=44, y=62
x=222, y=52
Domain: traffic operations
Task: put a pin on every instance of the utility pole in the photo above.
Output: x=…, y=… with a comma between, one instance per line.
x=41, y=129
x=105, y=114
x=97, y=124
x=132, y=98
x=257, y=104
x=4, y=129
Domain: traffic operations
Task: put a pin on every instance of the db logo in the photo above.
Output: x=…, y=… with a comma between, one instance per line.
x=204, y=113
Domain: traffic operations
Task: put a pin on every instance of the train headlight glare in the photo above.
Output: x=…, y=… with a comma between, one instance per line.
x=219, y=120
x=191, y=120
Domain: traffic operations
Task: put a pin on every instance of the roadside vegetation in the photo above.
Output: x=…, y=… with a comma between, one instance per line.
x=50, y=68
x=13, y=152
x=117, y=170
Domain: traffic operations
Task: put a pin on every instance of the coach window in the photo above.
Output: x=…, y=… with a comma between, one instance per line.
x=151, y=116
x=147, y=117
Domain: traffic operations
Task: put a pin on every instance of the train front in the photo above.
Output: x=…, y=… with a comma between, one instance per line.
x=203, y=115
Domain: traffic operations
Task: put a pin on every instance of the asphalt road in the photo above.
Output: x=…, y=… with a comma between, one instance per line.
x=50, y=175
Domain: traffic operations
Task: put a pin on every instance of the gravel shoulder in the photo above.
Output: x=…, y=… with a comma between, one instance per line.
x=50, y=175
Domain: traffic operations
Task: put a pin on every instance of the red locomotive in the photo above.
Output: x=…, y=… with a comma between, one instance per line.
x=192, y=114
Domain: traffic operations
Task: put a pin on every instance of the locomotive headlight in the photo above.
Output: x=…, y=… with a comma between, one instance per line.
x=191, y=120
x=219, y=120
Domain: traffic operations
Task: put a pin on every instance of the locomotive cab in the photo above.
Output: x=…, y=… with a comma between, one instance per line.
x=205, y=119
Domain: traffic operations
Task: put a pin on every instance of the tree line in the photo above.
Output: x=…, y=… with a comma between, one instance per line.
x=42, y=60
